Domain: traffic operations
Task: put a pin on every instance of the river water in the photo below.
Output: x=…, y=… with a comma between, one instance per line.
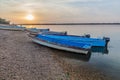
x=106, y=62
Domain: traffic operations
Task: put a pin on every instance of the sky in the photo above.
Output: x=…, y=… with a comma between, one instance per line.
x=58, y=11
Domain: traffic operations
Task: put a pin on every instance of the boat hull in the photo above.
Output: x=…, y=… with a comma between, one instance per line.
x=13, y=29
x=65, y=48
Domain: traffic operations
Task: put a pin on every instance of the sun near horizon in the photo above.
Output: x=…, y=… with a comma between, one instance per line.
x=29, y=17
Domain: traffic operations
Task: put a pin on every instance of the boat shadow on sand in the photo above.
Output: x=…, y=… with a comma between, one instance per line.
x=71, y=55
x=82, y=57
x=77, y=56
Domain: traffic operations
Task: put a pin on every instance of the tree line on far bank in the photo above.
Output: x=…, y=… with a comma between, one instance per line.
x=4, y=21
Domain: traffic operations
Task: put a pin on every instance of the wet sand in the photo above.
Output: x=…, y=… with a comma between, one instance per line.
x=21, y=59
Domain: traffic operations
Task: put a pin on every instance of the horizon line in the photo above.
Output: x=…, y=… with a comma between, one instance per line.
x=68, y=24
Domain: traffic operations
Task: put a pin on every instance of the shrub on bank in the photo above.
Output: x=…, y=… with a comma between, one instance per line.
x=4, y=21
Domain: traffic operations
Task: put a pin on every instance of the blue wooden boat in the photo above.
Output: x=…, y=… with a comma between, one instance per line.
x=72, y=43
x=14, y=28
x=62, y=44
x=36, y=30
x=94, y=42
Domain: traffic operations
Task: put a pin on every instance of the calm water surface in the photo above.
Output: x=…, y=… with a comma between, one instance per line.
x=108, y=63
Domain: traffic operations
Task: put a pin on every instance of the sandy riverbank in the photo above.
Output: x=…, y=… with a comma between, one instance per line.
x=20, y=59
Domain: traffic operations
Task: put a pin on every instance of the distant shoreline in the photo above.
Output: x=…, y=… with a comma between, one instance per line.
x=71, y=24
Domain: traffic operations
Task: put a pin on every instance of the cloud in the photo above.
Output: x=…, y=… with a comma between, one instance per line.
x=63, y=10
